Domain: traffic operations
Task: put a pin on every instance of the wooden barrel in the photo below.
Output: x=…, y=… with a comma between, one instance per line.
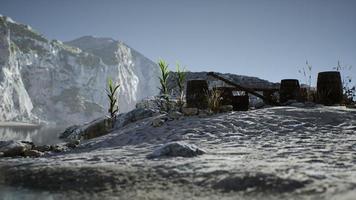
x=289, y=90
x=329, y=88
x=226, y=94
x=240, y=103
x=196, y=94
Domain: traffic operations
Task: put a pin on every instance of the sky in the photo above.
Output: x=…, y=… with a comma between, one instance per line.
x=270, y=39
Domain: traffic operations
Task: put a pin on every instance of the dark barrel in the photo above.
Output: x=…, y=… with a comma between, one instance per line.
x=241, y=103
x=289, y=90
x=226, y=94
x=329, y=88
x=196, y=94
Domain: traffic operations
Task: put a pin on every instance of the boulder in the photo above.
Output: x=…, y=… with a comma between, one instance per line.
x=133, y=116
x=104, y=125
x=190, y=111
x=13, y=148
x=176, y=149
x=90, y=130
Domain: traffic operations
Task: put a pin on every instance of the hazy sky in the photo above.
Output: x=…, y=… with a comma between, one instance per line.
x=270, y=39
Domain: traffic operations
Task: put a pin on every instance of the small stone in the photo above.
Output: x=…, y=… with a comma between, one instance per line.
x=33, y=153
x=205, y=113
x=226, y=108
x=175, y=115
x=176, y=149
x=190, y=111
x=158, y=122
x=73, y=144
x=58, y=148
x=289, y=102
x=42, y=148
x=297, y=104
x=260, y=104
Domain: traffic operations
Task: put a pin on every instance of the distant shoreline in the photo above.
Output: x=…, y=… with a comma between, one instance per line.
x=18, y=124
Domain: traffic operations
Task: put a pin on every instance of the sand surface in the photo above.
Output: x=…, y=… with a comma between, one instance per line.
x=271, y=153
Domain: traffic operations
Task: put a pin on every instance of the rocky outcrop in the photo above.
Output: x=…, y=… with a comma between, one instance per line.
x=14, y=148
x=43, y=80
x=104, y=125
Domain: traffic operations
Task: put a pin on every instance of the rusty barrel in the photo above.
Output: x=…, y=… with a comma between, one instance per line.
x=241, y=103
x=289, y=90
x=226, y=94
x=196, y=94
x=329, y=87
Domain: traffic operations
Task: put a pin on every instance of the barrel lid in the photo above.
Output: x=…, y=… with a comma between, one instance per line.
x=329, y=72
x=290, y=80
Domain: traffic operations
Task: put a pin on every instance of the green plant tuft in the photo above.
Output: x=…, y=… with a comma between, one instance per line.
x=163, y=79
x=113, y=100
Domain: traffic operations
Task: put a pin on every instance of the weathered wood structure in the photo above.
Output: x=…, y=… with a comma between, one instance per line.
x=266, y=96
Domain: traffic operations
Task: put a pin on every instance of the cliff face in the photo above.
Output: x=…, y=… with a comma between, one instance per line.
x=65, y=83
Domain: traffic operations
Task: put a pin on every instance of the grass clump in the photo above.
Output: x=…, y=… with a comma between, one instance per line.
x=180, y=79
x=214, y=97
x=163, y=80
x=349, y=90
x=309, y=94
x=113, y=100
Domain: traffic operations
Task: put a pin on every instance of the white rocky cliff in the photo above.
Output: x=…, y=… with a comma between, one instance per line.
x=65, y=83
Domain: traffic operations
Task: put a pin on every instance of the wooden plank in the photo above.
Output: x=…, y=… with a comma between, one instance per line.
x=248, y=90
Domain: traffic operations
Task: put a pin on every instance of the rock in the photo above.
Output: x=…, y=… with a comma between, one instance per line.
x=71, y=131
x=352, y=106
x=154, y=103
x=73, y=144
x=260, y=104
x=190, y=111
x=289, y=102
x=226, y=108
x=176, y=149
x=298, y=104
x=133, y=116
x=59, y=148
x=104, y=125
x=158, y=122
x=90, y=130
x=43, y=148
x=33, y=153
x=175, y=115
x=205, y=113
x=13, y=148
